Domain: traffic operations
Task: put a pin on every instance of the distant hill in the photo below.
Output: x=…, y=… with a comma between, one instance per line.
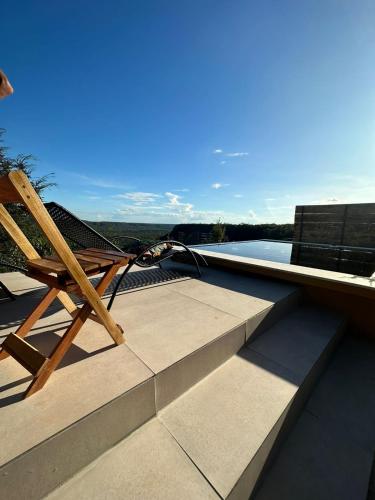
x=192, y=233
x=144, y=232
x=204, y=233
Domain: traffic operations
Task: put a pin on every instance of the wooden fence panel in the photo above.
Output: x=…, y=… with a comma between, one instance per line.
x=351, y=225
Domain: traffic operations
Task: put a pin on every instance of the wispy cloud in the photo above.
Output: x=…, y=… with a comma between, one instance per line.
x=96, y=181
x=218, y=185
x=235, y=154
x=139, y=197
x=238, y=196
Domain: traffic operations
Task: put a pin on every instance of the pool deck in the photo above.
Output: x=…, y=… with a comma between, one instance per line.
x=186, y=357
x=348, y=283
x=176, y=333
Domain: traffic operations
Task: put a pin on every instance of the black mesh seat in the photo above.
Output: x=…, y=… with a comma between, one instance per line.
x=76, y=230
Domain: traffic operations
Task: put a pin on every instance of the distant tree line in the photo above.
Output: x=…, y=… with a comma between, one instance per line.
x=192, y=234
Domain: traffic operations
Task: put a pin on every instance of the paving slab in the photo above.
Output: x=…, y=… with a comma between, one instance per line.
x=163, y=326
x=329, y=453
x=85, y=408
x=224, y=420
x=149, y=464
x=240, y=296
x=345, y=396
x=317, y=463
x=298, y=340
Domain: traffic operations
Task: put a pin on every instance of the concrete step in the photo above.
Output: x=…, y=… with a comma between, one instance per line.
x=176, y=335
x=329, y=453
x=225, y=427
x=149, y=464
x=229, y=423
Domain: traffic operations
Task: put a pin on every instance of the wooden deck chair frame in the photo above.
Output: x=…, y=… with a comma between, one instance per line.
x=16, y=188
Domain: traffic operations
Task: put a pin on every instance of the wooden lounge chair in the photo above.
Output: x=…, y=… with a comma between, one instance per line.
x=64, y=272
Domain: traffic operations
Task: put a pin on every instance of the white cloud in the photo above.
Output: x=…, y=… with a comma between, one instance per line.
x=174, y=202
x=173, y=198
x=218, y=185
x=236, y=155
x=238, y=195
x=327, y=201
x=139, y=197
x=223, y=162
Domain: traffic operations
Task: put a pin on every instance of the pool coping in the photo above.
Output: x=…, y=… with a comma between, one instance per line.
x=348, y=283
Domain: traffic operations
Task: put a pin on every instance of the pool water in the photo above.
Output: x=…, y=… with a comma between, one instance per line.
x=276, y=251
x=353, y=260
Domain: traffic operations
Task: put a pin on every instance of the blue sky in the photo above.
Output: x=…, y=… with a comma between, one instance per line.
x=186, y=111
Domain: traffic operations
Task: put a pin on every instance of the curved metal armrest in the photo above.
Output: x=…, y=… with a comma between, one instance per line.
x=156, y=260
x=168, y=253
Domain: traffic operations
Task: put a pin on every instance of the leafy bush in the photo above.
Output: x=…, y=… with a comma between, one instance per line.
x=8, y=250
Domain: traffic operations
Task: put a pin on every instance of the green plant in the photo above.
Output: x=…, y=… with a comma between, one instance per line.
x=218, y=231
x=8, y=250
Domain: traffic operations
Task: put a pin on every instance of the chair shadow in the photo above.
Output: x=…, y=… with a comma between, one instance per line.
x=13, y=313
x=16, y=311
x=139, y=280
x=45, y=343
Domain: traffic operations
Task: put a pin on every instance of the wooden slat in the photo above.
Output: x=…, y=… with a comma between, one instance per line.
x=112, y=253
x=86, y=265
x=29, y=357
x=321, y=209
x=47, y=266
x=95, y=260
x=111, y=259
x=91, y=253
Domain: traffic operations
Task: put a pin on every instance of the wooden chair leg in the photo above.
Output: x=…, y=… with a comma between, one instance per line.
x=69, y=336
x=37, y=313
x=103, y=315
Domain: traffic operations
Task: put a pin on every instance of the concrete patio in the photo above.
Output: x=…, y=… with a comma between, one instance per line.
x=213, y=374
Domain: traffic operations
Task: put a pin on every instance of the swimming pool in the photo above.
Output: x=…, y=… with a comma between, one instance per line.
x=355, y=260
